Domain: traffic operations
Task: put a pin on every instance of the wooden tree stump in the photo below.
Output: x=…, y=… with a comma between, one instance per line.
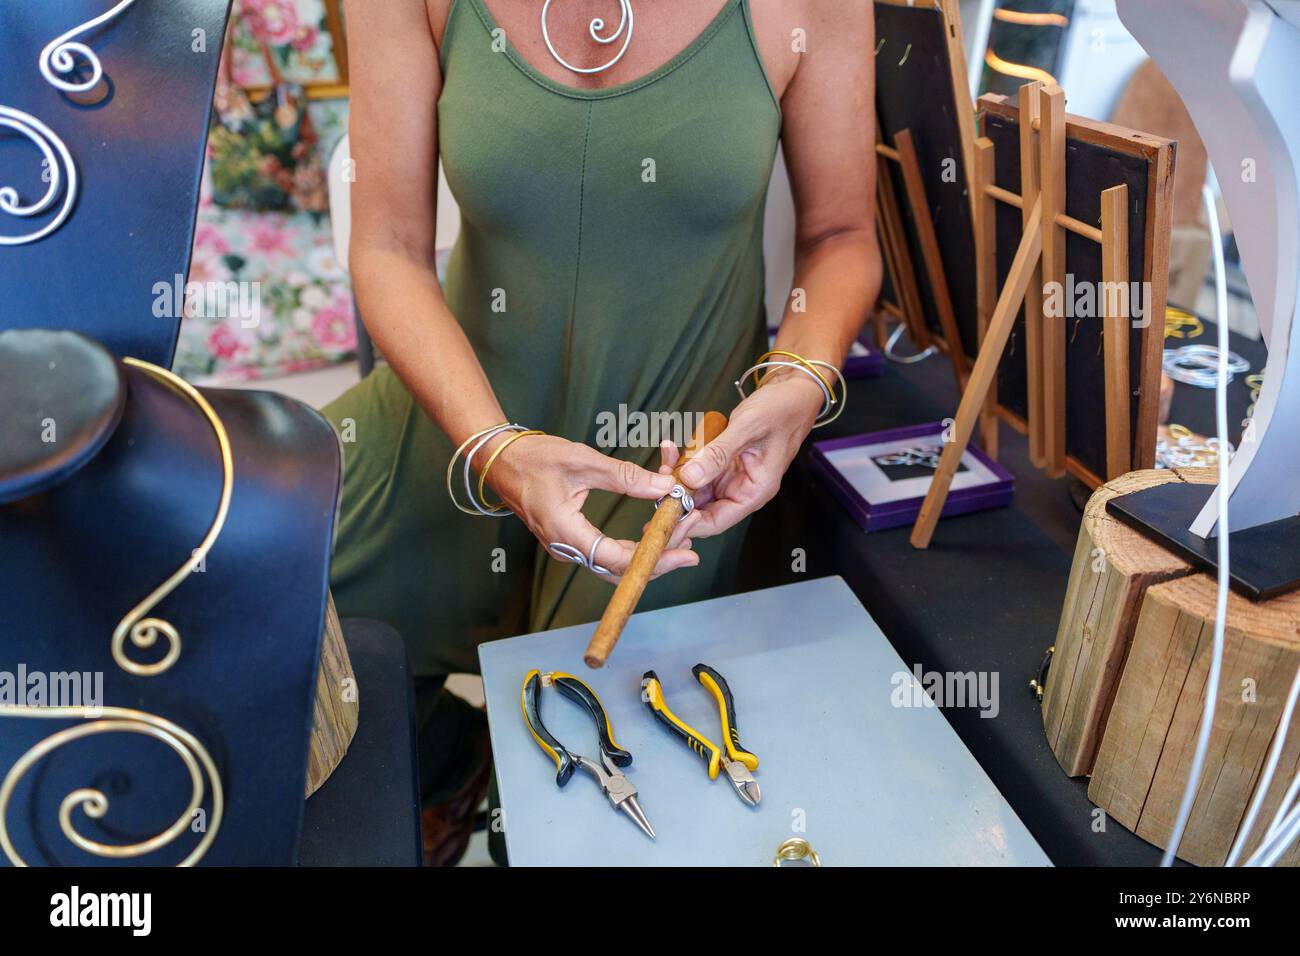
x=1113, y=567
x=1146, y=751
x=337, y=706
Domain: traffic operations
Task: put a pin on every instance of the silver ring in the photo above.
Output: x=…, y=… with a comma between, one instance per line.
x=680, y=493
x=567, y=552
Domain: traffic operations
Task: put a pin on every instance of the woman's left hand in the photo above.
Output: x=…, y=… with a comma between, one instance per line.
x=740, y=470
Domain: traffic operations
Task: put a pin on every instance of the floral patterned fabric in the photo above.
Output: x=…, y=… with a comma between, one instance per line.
x=297, y=34
x=283, y=261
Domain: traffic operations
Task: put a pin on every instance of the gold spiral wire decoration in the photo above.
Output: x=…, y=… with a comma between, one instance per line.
x=143, y=631
x=94, y=803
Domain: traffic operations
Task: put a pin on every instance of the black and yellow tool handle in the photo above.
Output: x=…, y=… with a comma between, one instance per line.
x=574, y=689
x=717, y=685
x=528, y=699
x=652, y=692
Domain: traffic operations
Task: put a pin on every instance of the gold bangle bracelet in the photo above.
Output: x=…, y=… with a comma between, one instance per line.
x=487, y=465
x=798, y=358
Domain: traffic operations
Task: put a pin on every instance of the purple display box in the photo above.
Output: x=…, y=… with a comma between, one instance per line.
x=862, y=361
x=848, y=467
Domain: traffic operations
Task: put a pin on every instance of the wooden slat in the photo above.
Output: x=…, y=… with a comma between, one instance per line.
x=981, y=377
x=933, y=259
x=1033, y=308
x=1052, y=184
x=901, y=270
x=986, y=275
x=1115, y=330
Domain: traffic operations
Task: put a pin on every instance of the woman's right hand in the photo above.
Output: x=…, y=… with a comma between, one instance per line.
x=545, y=480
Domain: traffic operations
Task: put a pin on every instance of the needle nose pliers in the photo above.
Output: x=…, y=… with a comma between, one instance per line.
x=616, y=786
x=736, y=759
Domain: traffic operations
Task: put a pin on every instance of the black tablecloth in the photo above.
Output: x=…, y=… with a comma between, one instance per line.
x=368, y=812
x=986, y=595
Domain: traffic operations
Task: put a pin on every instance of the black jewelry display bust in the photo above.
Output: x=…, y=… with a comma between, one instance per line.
x=138, y=143
x=109, y=479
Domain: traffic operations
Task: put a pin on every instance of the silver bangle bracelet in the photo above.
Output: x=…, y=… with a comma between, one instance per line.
x=830, y=401
x=469, y=457
x=795, y=365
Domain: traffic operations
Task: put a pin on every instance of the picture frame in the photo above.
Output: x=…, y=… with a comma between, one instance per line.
x=850, y=469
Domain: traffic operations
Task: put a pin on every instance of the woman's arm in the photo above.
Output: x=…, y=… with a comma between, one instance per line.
x=393, y=129
x=828, y=134
x=395, y=84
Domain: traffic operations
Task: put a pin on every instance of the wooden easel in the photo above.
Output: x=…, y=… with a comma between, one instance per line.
x=903, y=152
x=1039, y=259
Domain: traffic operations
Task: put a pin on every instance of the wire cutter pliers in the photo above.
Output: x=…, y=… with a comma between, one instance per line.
x=736, y=759
x=620, y=790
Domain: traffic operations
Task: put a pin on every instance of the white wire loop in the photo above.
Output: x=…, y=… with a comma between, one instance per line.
x=60, y=54
x=1223, y=571
x=625, y=24
x=892, y=342
x=58, y=167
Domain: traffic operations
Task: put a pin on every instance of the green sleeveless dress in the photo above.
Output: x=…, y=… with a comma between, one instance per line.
x=610, y=254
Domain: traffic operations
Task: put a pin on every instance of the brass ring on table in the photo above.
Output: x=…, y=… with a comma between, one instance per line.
x=487, y=465
x=143, y=631
x=1178, y=322
x=794, y=850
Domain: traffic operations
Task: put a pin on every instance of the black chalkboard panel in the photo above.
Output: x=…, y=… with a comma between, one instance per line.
x=1093, y=162
x=916, y=91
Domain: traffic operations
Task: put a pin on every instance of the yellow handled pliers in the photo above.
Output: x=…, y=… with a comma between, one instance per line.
x=736, y=759
x=616, y=786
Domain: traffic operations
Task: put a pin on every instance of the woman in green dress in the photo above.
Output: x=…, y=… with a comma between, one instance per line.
x=609, y=262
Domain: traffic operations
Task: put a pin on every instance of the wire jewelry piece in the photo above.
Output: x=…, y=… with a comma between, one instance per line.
x=567, y=552
x=795, y=849
x=924, y=457
x=808, y=367
x=681, y=494
x=58, y=166
x=482, y=437
x=60, y=54
x=94, y=803
x=597, y=24
x=142, y=630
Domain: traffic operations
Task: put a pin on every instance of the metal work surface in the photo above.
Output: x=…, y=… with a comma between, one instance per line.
x=863, y=780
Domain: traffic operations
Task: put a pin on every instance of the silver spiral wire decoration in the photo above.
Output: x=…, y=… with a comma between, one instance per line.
x=624, y=30
x=94, y=803
x=60, y=171
x=60, y=54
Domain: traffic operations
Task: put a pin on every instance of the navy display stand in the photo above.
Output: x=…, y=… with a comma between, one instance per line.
x=138, y=145
x=252, y=621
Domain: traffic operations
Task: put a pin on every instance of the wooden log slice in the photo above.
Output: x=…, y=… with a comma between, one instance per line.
x=1146, y=751
x=337, y=706
x=1113, y=567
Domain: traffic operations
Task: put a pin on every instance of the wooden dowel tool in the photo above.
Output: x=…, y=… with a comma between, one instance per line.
x=648, y=549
